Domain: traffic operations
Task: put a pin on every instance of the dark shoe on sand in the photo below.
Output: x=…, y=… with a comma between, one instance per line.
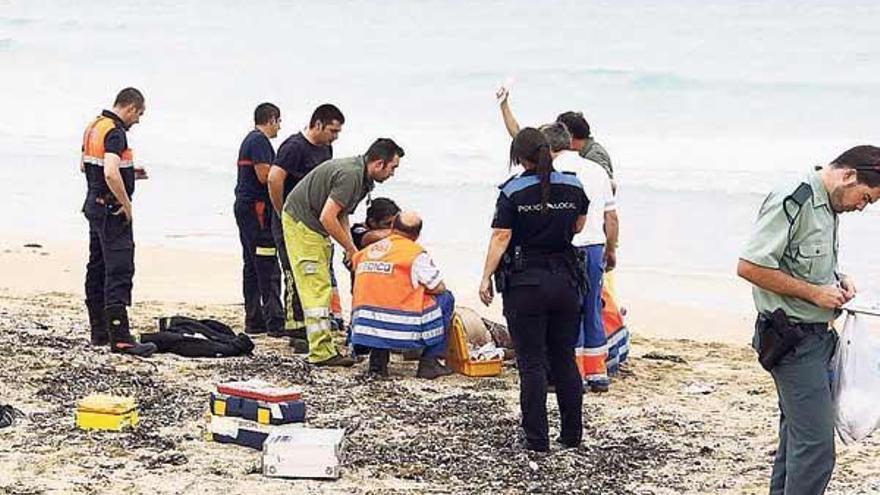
x=431, y=368
x=338, y=361
x=281, y=333
x=598, y=386
x=97, y=324
x=566, y=443
x=379, y=362
x=120, y=337
x=300, y=346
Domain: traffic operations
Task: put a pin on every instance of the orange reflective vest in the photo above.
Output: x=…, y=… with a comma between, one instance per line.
x=93, y=143
x=387, y=310
x=93, y=158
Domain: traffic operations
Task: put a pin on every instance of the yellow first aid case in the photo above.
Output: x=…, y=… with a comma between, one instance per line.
x=106, y=412
x=458, y=357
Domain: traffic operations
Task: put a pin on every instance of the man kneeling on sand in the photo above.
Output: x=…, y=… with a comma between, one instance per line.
x=400, y=300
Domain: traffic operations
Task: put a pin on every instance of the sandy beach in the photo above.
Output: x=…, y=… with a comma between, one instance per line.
x=703, y=108
x=692, y=411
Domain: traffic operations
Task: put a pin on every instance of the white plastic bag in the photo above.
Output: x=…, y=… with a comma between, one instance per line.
x=856, y=388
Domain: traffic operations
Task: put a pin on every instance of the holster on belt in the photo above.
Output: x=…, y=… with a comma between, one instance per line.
x=507, y=268
x=777, y=336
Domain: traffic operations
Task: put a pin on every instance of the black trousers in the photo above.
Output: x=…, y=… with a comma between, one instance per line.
x=110, y=269
x=261, y=277
x=293, y=312
x=542, y=307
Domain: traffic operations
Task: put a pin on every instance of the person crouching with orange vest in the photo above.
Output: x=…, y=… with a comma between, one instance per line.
x=400, y=300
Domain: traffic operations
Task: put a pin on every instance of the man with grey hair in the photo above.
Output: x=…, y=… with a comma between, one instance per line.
x=558, y=137
x=597, y=241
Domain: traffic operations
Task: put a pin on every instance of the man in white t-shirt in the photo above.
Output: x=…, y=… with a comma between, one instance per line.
x=600, y=232
x=598, y=240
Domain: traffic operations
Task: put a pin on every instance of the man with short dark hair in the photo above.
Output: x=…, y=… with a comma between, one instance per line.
x=399, y=300
x=583, y=142
x=377, y=224
x=791, y=260
x=261, y=277
x=314, y=212
x=297, y=156
x=107, y=162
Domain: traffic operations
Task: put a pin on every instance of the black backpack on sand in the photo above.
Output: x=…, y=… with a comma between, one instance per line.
x=189, y=337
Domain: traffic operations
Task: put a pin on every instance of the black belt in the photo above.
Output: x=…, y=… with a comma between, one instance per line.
x=545, y=261
x=805, y=327
x=813, y=327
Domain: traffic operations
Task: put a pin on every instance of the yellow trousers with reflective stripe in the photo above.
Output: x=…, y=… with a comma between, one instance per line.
x=309, y=254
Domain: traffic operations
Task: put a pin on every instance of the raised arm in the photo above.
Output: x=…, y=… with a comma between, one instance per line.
x=506, y=113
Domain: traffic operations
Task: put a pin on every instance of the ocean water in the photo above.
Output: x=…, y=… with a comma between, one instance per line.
x=703, y=105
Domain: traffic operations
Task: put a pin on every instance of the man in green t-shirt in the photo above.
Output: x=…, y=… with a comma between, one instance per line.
x=314, y=212
x=791, y=259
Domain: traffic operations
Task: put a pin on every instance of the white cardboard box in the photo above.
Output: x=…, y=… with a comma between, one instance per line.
x=303, y=453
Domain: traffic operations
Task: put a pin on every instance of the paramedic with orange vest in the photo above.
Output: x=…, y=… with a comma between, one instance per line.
x=110, y=174
x=400, y=300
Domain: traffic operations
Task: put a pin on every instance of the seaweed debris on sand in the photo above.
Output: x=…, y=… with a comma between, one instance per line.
x=403, y=435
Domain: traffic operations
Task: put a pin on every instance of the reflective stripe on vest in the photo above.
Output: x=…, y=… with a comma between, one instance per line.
x=384, y=303
x=93, y=143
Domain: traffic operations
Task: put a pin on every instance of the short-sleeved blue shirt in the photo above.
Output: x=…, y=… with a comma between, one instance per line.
x=519, y=208
x=255, y=149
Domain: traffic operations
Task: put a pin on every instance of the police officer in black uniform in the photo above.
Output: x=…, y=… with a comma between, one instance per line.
x=540, y=278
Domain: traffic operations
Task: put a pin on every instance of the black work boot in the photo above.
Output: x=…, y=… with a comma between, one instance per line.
x=97, y=324
x=299, y=340
x=300, y=346
x=379, y=361
x=431, y=367
x=337, y=361
x=121, y=340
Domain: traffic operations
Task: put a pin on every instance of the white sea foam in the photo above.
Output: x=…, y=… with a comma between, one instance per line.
x=706, y=101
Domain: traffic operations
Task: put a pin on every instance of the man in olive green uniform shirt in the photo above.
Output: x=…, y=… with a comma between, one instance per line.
x=317, y=210
x=791, y=259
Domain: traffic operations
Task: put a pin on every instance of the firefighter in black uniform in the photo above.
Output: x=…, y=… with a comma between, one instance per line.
x=541, y=280
x=261, y=276
x=110, y=173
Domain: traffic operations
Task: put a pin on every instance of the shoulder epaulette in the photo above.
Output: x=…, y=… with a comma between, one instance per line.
x=803, y=192
x=518, y=183
x=568, y=178
x=799, y=197
x=501, y=186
